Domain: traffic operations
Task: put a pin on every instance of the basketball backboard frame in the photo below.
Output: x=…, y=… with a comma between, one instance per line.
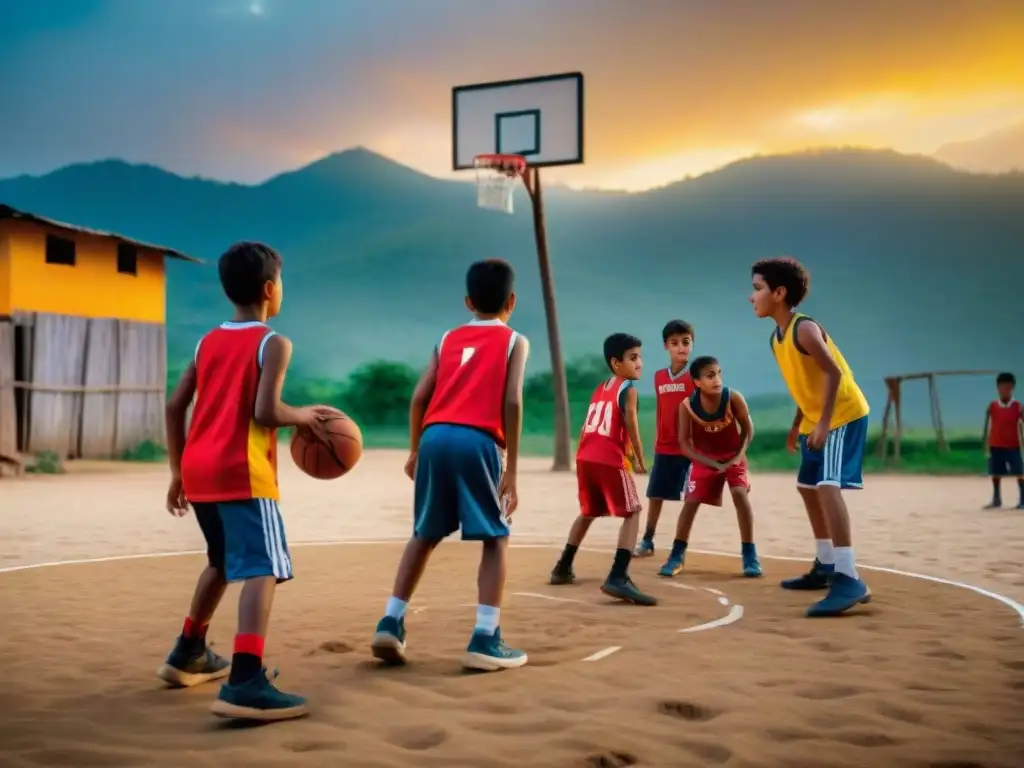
x=506, y=121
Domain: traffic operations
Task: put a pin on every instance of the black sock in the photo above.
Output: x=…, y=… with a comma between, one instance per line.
x=568, y=555
x=244, y=666
x=648, y=534
x=678, y=548
x=996, y=495
x=621, y=564
x=1020, y=487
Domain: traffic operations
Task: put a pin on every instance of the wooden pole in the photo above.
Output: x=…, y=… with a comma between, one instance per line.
x=883, y=443
x=936, y=408
x=898, y=408
x=561, y=390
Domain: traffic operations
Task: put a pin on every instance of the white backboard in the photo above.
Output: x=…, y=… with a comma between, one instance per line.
x=540, y=118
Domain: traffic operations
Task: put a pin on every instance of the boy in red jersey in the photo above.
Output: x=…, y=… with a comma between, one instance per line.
x=1003, y=440
x=714, y=431
x=606, y=488
x=467, y=409
x=672, y=386
x=226, y=469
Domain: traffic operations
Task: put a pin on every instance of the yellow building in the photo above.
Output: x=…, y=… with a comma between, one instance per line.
x=82, y=339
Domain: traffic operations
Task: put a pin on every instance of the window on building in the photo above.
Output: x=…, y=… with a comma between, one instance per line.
x=127, y=259
x=60, y=250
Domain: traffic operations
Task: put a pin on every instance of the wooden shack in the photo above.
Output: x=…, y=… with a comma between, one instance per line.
x=82, y=339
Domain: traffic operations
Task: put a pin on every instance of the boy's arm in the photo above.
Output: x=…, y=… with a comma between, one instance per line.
x=686, y=440
x=514, y=403
x=631, y=412
x=746, y=425
x=797, y=420
x=420, y=400
x=175, y=415
x=269, y=411
x=812, y=340
x=984, y=429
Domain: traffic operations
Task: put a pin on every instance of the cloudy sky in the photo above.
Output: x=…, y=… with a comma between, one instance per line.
x=243, y=89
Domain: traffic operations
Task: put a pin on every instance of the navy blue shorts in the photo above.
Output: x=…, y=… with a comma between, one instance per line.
x=1005, y=462
x=458, y=470
x=840, y=462
x=245, y=539
x=668, y=476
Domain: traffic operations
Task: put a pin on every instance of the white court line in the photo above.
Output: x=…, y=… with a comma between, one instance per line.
x=723, y=600
x=681, y=586
x=1008, y=602
x=734, y=615
x=603, y=654
x=718, y=592
x=549, y=597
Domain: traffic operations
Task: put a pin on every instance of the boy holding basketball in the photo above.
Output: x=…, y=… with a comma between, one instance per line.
x=466, y=411
x=672, y=386
x=831, y=426
x=606, y=488
x=226, y=469
x=714, y=432
x=1004, y=421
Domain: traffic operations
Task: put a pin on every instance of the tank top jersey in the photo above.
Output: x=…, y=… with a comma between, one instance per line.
x=1005, y=424
x=806, y=381
x=670, y=393
x=228, y=456
x=472, y=368
x=716, y=435
x=604, y=439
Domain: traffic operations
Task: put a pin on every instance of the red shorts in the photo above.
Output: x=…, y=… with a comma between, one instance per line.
x=706, y=484
x=606, y=490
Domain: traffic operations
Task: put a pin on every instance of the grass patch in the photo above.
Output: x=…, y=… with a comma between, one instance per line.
x=146, y=451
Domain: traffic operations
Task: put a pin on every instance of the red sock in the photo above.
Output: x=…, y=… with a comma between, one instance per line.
x=194, y=631
x=249, y=644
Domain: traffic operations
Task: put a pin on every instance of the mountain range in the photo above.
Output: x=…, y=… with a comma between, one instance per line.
x=915, y=265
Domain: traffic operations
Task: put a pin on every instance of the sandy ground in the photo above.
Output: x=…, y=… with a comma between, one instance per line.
x=928, y=675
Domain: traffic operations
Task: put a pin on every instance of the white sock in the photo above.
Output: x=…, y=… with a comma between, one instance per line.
x=395, y=608
x=487, y=618
x=844, y=562
x=825, y=552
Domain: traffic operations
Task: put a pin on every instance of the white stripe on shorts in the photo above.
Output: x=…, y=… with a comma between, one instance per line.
x=273, y=539
x=832, y=466
x=629, y=492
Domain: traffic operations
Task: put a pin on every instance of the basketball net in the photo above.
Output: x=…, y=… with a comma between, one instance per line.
x=496, y=177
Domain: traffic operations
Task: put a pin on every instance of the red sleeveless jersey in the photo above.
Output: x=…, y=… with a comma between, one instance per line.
x=716, y=435
x=228, y=456
x=604, y=439
x=472, y=367
x=1005, y=428
x=670, y=392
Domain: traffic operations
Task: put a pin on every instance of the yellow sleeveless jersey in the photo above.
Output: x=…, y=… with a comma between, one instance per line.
x=806, y=381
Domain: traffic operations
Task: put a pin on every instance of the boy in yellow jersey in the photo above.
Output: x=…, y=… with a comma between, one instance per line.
x=831, y=426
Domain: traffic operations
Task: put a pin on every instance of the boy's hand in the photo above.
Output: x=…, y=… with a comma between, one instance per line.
x=639, y=467
x=507, y=493
x=410, y=465
x=816, y=440
x=177, y=504
x=793, y=439
x=314, y=415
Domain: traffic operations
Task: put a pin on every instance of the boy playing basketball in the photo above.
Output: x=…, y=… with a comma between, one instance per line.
x=467, y=409
x=1003, y=441
x=226, y=469
x=672, y=386
x=831, y=426
x=714, y=432
x=606, y=488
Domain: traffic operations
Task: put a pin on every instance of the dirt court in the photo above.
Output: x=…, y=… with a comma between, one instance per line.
x=726, y=671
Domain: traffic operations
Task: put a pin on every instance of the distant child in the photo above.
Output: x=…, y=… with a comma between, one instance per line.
x=831, y=426
x=606, y=488
x=467, y=409
x=672, y=386
x=714, y=431
x=227, y=470
x=1003, y=441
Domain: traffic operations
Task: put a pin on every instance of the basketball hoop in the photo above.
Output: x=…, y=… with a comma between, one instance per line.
x=496, y=177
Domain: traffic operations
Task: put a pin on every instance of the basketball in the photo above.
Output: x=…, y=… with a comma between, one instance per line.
x=327, y=461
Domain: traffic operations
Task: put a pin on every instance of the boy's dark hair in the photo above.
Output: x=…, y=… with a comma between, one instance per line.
x=489, y=283
x=676, y=328
x=616, y=346
x=697, y=366
x=785, y=272
x=245, y=268
x=1006, y=378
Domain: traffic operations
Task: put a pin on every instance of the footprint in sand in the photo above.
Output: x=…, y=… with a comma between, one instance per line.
x=864, y=739
x=684, y=710
x=331, y=646
x=418, y=738
x=899, y=714
x=828, y=692
x=610, y=760
x=945, y=653
x=313, y=746
x=710, y=754
x=785, y=735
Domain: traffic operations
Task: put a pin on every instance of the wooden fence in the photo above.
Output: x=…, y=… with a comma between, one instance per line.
x=89, y=388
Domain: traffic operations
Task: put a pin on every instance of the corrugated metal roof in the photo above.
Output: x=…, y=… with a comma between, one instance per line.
x=6, y=212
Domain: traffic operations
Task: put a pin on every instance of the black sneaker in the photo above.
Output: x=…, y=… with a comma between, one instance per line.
x=189, y=664
x=819, y=577
x=623, y=588
x=561, y=576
